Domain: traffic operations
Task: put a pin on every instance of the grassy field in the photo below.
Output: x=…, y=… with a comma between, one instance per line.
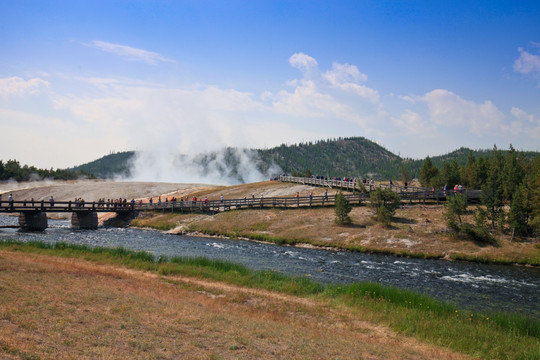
x=64, y=301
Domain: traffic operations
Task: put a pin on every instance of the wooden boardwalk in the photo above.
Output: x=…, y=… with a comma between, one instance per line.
x=406, y=193
x=61, y=206
x=357, y=194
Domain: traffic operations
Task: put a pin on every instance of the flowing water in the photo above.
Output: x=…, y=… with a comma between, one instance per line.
x=471, y=286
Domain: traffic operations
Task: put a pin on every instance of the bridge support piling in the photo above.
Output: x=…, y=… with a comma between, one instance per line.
x=33, y=220
x=84, y=220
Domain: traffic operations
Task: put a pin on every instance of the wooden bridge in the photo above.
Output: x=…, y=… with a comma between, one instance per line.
x=32, y=214
x=406, y=193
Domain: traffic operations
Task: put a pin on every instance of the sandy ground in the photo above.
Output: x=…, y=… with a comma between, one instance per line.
x=91, y=190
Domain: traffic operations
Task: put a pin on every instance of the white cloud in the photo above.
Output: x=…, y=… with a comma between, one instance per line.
x=57, y=141
x=18, y=86
x=408, y=98
x=303, y=62
x=525, y=125
x=411, y=122
x=335, y=95
x=343, y=74
x=449, y=110
x=130, y=53
x=527, y=63
x=522, y=115
x=307, y=101
x=346, y=77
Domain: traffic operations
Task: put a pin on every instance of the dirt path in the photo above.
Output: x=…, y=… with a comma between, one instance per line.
x=56, y=308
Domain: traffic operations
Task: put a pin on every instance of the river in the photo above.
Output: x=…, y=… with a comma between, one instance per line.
x=471, y=286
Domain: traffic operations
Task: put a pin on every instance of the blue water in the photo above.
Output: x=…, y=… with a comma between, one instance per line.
x=471, y=286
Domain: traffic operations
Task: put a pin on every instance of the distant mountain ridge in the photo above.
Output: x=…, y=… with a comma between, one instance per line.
x=353, y=156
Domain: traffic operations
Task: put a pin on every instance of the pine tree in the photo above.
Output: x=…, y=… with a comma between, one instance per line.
x=512, y=174
x=521, y=210
x=467, y=172
x=455, y=207
x=480, y=173
x=493, y=190
x=535, y=196
x=342, y=209
x=405, y=177
x=428, y=173
x=384, y=203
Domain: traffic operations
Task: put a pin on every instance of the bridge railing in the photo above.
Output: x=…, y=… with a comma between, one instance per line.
x=405, y=192
x=243, y=203
x=63, y=206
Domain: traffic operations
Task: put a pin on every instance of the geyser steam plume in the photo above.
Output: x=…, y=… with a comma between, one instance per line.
x=227, y=166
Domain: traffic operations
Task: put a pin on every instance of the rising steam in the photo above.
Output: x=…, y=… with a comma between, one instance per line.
x=228, y=166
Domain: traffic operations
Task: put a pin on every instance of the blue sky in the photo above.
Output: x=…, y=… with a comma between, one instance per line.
x=79, y=79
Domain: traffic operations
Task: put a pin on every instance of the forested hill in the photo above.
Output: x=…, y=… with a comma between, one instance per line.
x=355, y=156
x=109, y=166
x=461, y=156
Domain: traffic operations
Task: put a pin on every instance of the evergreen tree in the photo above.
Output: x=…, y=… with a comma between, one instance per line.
x=521, y=210
x=467, y=172
x=512, y=174
x=449, y=174
x=405, y=176
x=480, y=173
x=493, y=190
x=428, y=173
x=384, y=203
x=342, y=209
x=455, y=207
x=535, y=196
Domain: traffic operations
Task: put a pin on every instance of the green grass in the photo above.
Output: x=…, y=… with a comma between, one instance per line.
x=501, y=335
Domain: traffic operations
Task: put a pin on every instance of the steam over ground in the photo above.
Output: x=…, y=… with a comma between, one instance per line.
x=226, y=166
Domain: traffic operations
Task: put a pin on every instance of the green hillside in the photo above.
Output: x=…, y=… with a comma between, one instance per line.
x=351, y=157
x=354, y=157
x=461, y=156
x=109, y=166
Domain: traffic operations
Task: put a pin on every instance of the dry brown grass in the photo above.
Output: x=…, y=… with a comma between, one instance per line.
x=54, y=308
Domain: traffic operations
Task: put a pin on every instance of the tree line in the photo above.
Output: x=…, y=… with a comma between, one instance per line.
x=12, y=170
x=510, y=187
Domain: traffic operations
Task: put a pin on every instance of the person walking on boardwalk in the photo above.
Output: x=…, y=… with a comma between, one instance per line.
x=326, y=195
x=51, y=201
x=221, y=198
x=10, y=200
